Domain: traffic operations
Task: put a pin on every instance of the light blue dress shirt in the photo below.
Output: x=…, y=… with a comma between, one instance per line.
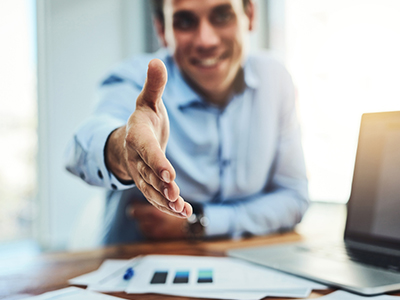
x=244, y=162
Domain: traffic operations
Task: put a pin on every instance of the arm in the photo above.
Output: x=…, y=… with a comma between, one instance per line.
x=135, y=151
x=280, y=207
x=284, y=199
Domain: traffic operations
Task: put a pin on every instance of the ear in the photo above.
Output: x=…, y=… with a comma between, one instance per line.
x=250, y=12
x=160, y=29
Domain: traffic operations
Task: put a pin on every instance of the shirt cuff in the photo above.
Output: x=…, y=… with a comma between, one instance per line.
x=220, y=220
x=88, y=161
x=98, y=143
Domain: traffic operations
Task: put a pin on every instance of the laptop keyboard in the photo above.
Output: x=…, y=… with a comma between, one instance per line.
x=341, y=252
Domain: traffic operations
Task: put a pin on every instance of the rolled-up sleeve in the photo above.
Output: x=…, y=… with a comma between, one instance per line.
x=279, y=208
x=84, y=155
x=284, y=199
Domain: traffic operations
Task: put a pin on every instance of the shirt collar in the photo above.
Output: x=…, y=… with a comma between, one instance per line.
x=180, y=93
x=250, y=77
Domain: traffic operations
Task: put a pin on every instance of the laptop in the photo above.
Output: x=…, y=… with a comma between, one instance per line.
x=367, y=261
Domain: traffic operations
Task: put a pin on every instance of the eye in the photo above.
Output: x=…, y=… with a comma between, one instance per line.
x=222, y=17
x=184, y=22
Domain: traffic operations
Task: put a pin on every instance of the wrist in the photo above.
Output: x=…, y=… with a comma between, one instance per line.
x=114, y=155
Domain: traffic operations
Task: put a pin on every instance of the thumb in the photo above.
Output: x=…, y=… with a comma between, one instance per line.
x=155, y=83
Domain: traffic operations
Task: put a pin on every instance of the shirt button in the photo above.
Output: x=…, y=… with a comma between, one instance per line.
x=100, y=174
x=82, y=175
x=114, y=187
x=226, y=162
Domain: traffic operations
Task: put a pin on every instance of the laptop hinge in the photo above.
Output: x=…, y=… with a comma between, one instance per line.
x=372, y=248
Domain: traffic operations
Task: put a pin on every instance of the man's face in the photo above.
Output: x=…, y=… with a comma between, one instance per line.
x=207, y=39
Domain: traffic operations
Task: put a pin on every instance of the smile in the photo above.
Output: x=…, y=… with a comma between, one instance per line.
x=207, y=62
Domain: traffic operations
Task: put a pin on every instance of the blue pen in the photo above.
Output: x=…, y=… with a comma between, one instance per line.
x=129, y=274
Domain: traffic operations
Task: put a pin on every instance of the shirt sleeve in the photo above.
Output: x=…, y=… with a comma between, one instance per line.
x=84, y=155
x=283, y=202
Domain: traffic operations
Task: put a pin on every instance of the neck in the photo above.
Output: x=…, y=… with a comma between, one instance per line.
x=221, y=98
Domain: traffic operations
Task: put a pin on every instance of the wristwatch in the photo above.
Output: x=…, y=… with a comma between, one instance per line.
x=197, y=222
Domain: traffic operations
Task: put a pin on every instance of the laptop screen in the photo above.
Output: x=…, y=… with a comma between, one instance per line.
x=374, y=205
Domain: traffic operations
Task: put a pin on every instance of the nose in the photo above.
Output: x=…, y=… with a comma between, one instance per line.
x=207, y=36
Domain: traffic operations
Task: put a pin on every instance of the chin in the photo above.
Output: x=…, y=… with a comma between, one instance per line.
x=211, y=82
x=210, y=86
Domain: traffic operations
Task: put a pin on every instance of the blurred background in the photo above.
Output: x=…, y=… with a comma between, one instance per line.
x=343, y=56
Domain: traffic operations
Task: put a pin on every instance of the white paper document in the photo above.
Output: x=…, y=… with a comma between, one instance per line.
x=193, y=276
x=72, y=293
x=243, y=295
x=109, y=277
x=342, y=295
x=108, y=267
x=162, y=273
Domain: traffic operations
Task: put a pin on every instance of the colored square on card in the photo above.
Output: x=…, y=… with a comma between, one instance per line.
x=181, y=277
x=159, y=277
x=205, y=276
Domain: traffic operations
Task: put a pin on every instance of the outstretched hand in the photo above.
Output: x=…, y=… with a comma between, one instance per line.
x=136, y=151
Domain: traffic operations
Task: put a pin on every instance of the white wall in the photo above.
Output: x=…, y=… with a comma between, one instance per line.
x=78, y=41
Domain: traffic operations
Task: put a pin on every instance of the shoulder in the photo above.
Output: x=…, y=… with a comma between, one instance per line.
x=264, y=63
x=270, y=79
x=266, y=58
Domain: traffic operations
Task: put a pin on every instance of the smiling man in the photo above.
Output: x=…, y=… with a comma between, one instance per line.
x=200, y=126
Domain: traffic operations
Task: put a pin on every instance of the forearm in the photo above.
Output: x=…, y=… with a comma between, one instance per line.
x=85, y=152
x=279, y=210
x=114, y=154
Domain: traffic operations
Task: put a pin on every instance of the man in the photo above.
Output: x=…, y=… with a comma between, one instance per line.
x=224, y=137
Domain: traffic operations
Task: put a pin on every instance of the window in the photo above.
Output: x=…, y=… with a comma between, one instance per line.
x=344, y=59
x=18, y=118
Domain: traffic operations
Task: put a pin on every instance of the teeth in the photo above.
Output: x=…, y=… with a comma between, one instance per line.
x=208, y=62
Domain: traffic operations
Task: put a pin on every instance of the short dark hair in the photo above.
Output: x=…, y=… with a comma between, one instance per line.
x=159, y=12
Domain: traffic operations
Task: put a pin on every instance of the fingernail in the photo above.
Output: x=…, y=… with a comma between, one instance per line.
x=184, y=213
x=166, y=193
x=172, y=206
x=165, y=176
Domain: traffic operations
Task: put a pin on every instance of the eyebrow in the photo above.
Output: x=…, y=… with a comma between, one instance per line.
x=223, y=7
x=185, y=13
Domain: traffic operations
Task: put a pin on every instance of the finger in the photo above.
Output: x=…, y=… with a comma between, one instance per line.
x=171, y=212
x=167, y=211
x=145, y=144
x=151, y=194
x=154, y=85
x=186, y=207
x=178, y=205
x=156, y=199
x=168, y=190
x=187, y=210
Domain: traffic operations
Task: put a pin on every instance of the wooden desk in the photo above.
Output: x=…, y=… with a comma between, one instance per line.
x=51, y=271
